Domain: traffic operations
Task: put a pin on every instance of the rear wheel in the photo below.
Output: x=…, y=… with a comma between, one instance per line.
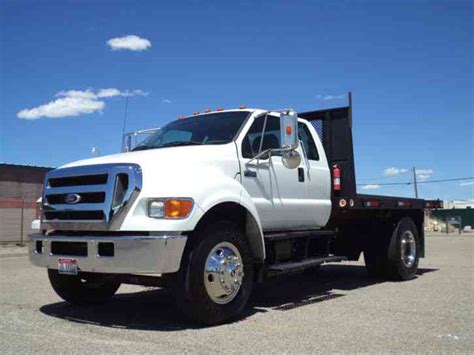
x=216, y=275
x=82, y=289
x=397, y=257
x=403, y=251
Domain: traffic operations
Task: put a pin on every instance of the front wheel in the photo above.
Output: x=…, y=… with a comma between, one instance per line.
x=216, y=275
x=81, y=289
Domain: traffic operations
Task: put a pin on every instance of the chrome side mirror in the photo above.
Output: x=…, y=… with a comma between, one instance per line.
x=291, y=159
x=289, y=139
x=289, y=130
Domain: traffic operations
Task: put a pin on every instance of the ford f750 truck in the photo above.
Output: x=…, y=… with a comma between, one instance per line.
x=210, y=204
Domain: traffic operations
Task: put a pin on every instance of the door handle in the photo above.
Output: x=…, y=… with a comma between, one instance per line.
x=301, y=174
x=249, y=173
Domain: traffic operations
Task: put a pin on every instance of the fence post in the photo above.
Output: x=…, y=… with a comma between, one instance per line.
x=22, y=217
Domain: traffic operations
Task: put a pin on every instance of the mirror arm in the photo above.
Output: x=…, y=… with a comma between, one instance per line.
x=266, y=151
x=262, y=137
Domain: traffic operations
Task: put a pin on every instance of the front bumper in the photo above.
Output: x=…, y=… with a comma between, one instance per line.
x=132, y=254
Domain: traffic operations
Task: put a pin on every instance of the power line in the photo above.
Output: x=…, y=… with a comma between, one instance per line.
x=443, y=180
x=419, y=182
x=376, y=178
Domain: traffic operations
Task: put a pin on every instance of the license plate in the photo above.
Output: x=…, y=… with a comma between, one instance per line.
x=67, y=266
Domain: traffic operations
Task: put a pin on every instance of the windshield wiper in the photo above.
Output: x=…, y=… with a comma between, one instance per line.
x=216, y=142
x=176, y=144
x=180, y=143
x=142, y=147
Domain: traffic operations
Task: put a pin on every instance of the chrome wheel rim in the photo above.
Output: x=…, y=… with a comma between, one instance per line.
x=223, y=273
x=408, y=248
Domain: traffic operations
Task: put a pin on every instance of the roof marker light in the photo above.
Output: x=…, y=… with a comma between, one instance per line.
x=195, y=113
x=207, y=110
x=181, y=117
x=220, y=109
x=242, y=107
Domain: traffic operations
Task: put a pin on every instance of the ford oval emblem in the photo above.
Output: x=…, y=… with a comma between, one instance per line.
x=72, y=199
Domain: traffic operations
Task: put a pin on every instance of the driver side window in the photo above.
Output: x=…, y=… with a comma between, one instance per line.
x=308, y=142
x=253, y=138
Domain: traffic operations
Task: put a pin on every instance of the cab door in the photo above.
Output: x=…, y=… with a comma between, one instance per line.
x=278, y=193
x=318, y=179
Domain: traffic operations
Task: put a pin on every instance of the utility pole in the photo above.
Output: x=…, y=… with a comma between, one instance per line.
x=414, y=182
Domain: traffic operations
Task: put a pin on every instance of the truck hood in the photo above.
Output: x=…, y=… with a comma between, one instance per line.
x=173, y=157
x=206, y=174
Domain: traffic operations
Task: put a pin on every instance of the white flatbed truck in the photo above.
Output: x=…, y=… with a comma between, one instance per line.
x=210, y=204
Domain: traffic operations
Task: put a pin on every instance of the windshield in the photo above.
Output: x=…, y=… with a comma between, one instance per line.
x=213, y=128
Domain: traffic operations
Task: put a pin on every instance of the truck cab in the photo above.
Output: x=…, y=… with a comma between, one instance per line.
x=210, y=204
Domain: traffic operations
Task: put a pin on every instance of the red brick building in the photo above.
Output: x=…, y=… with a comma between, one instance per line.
x=20, y=187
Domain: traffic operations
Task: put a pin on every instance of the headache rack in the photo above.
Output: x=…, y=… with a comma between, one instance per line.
x=334, y=127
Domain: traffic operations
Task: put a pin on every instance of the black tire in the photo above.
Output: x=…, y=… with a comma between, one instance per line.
x=82, y=290
x=189, y=285
x=397, y=268
x=383, y=256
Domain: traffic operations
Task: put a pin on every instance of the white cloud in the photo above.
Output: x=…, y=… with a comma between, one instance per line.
x=421, y=174
x=424, y=174
x=75, y=103
x=87, y=94
x=371, y=187
x=130, y=42
x=63, y=107
x=166, y=101
x=330, y=97
x=108, y=92
x=115, y=92
x=469, y=183
x=394, y=171
x=135, y=93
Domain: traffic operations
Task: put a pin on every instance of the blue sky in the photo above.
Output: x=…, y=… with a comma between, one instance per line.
x=409, y=65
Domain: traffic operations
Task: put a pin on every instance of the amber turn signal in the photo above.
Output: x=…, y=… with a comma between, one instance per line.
x=178, y=208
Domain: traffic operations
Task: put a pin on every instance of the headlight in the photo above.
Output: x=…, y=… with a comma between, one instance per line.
x=156, y=209
x=173, y=208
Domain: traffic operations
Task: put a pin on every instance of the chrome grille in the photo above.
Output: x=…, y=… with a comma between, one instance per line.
x=94, y=197
x=78, y=180
x=86, y=197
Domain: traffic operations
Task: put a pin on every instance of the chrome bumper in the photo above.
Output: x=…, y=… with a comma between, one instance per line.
x=132, y=254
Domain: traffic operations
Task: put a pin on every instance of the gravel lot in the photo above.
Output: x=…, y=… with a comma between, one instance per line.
x=337, y=310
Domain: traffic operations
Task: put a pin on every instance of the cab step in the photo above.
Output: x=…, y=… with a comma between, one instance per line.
x=277, y=236
x=302, y=264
